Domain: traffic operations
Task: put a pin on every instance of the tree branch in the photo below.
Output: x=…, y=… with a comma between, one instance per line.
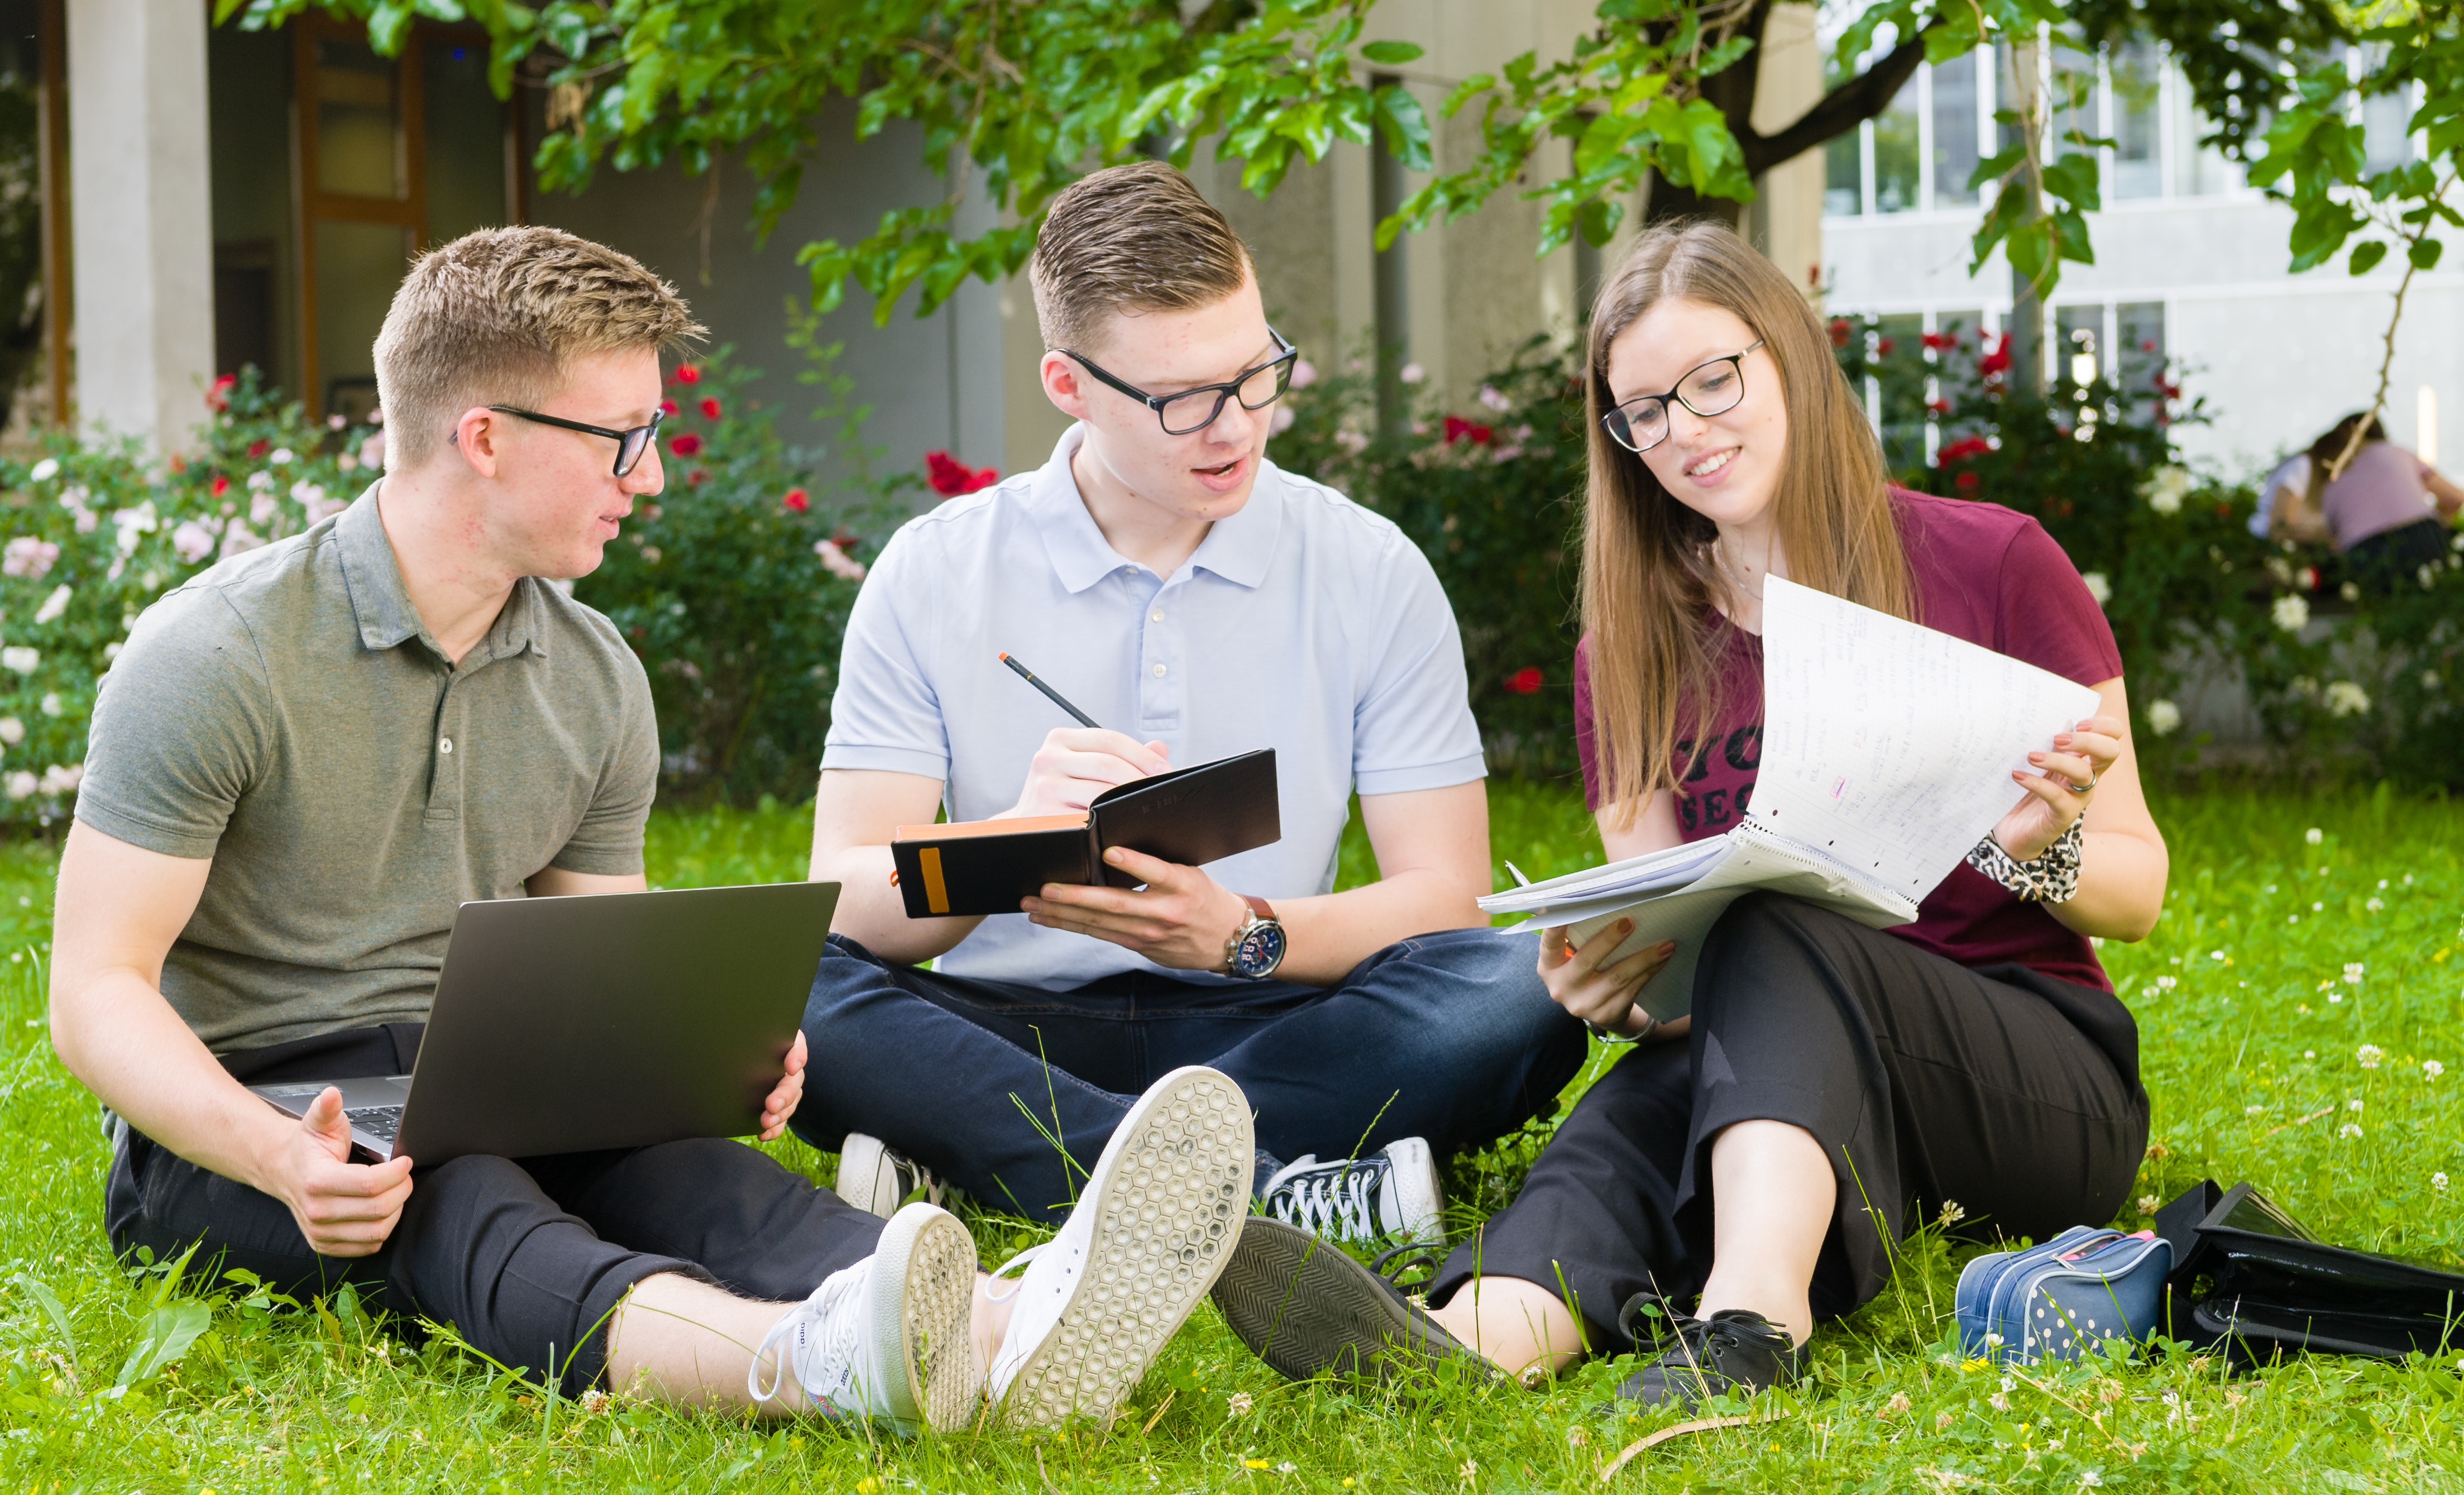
x=1841, y=110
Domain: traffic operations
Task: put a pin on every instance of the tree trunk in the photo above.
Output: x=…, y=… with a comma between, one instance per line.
x=1669, y=202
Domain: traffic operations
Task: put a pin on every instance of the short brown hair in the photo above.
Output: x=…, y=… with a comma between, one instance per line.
x=497, y=317
x=1131, y=238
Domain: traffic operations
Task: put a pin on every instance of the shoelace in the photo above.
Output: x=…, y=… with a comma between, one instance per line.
x=999, y=1272
x=1700, y=1341
x=838, y=1349
x=1342, y=1196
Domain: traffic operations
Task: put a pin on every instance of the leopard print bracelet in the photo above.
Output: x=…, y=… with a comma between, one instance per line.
x=2053, y=878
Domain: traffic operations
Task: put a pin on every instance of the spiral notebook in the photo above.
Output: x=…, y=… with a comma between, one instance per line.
x=1888, y=754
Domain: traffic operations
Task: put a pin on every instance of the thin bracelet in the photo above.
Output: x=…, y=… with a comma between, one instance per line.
x=1611, y=1035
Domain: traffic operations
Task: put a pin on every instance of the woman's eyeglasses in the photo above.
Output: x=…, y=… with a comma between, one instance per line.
x=1193, y=411
x=630, y=444
x=1709, y=389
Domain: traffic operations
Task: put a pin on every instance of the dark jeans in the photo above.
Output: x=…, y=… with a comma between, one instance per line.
x=2012, y=1093
x=2392, y=557
x=525, y=1258
x=1449, y=1037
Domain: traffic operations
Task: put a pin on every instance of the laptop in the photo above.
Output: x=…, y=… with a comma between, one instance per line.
x=605, y=1021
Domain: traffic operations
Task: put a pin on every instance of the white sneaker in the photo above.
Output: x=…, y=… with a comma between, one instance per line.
x=1157, y=1221
x=1392, y=1192
x=888, y=1338
x=874, y=1178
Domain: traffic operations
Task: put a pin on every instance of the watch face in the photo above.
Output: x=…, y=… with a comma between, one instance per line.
x=1261, y=950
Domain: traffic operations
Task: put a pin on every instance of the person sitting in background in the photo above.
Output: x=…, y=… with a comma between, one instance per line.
x=2387, y=511
x=1167, y=578
x=2291, y=475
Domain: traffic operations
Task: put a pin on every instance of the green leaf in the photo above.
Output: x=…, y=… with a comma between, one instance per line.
x=163, y=1338
x=2366, y=255
x=2424, y=253
x=50, y=1302
x=1391, y=53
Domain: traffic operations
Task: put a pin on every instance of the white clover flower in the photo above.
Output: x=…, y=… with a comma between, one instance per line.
x=2431, y=1068
x=2098, y=586
x=2353, y=969
x=2163, y=717
x=2438, y=1182
x=2374, y=905
x=1241, y=1402
x=50, y=705
x=2165, y=983
x=2355, y=1103
x=2370, y=1055
x=2348, y=1131
x=2148, y=1204
x=45, y=470
x=2344, y=699
x=2313, y=835
x=2291, y=612
x=56, y=604
x=21, y=659
x=2165, y=488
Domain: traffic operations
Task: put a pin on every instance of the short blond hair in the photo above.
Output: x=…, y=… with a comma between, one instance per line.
x=498, y=317
x=1130, y=238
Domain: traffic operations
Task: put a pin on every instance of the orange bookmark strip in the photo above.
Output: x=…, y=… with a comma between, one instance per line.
x=937, y=898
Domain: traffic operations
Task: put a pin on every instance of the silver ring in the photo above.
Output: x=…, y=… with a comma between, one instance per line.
x=2083, y=788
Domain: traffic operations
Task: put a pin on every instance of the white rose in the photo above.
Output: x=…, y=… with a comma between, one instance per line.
x=2291, y=612
x=56, y=604
x=45, y=470
x=21, y=784
x=50, y=704
x=2165, y=488
x=2344, y=699
x=11, y=730
x=2163, y=717
x=21, y=659
x=2099, y=587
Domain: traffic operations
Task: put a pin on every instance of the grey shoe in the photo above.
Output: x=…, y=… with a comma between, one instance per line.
x=1305, y=1308
x=875, y=1178
x=1391, y=1192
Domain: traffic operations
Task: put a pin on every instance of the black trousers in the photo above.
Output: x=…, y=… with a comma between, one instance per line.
x=2013, y=1094
x=527, y=1258
x=2389, y=559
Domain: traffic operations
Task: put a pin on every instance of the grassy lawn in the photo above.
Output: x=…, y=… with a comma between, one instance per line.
x=2280, y=958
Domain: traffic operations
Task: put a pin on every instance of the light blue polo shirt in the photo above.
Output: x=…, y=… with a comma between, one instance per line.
x=1304, y=623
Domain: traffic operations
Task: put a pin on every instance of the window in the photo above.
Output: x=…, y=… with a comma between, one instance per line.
x=2139, y=354
x=1954, y=131
x=1897, y=152
x=1843, y=175
x=2078, y=337
x=2134, y=73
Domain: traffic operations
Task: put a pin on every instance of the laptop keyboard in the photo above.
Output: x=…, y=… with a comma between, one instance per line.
x=380, y=1122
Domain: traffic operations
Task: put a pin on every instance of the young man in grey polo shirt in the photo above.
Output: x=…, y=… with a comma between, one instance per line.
x=309, y=756
x=1199, y=601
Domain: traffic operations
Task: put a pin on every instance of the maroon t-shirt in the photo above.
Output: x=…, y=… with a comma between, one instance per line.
x=1985, y=574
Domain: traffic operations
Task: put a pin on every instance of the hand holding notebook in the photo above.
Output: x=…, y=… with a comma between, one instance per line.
x=1887, y=753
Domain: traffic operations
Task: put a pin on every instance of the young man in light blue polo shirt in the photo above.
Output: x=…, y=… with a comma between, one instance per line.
x=1199, y=601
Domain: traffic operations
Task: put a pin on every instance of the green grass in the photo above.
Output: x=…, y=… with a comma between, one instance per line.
x=2252, y=1040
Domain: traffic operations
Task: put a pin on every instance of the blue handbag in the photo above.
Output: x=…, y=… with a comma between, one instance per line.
x=2061, y=1299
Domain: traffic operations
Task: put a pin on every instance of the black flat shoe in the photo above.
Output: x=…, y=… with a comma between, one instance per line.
x=1307, y=1309
x=1734, y=1352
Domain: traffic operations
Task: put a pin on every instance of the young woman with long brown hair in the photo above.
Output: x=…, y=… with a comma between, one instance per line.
x=1749, y=1169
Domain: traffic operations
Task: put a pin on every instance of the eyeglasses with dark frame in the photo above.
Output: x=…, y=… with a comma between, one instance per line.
x=1256, y=388
x=1708, y=389
x=630, y=443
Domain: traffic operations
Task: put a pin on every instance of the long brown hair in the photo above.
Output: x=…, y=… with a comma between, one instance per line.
x=1648, y=578
x=2327, y=449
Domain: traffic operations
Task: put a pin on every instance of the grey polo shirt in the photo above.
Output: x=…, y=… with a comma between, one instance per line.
x=287, y=715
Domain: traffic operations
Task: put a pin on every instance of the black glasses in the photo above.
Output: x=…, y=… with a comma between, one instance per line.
x=1709, y=389
x=630, y=444
x=1181, y=413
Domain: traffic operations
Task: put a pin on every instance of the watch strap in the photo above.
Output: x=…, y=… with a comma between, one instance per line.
x=1259, y=907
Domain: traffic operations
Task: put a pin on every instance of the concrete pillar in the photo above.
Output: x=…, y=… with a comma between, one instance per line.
x=143, y=215
x=1785, y=219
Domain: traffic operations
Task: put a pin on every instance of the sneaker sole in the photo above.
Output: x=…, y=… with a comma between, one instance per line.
x=1308, y=1310
x=928, y=1324
x=1170, y=1194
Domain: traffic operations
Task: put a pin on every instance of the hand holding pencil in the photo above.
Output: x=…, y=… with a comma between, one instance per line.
x=1077, y=763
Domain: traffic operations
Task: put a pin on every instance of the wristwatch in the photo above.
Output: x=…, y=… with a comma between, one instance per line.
x=1257, y=947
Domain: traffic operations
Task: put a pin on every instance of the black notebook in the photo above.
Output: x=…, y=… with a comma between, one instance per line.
x=1189, y=817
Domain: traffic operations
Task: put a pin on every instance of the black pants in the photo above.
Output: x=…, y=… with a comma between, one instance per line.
x=2013, y=1094
x=525, y=1258
x=2390, y=559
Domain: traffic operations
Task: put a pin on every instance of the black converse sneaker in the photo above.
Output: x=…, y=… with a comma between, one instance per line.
x=1392, y=1192
x=1735, y=1350
x=1304, y=1308
x=875, y=1177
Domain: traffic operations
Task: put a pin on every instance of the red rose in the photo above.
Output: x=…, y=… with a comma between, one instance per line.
x=1966, y=480
x=1884, y=346
x=1939, y=340
x=1524, y=681
x=684, y=444
x=1999, y=360
x=687, y=374
x=259, y=447
x=666, y=408
x=950, y=477
x=221, y=485
x=218, y=394
x=697, y=477
x=796, y=500
x=1839, y=332
x=710, y=406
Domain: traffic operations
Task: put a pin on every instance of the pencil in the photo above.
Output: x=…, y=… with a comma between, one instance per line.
x=1049, y=694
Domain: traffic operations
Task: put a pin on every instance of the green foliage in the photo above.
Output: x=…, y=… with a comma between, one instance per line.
x=734, y=585
x=92, y=533
x=1491, y=497
x=2253, y=1067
